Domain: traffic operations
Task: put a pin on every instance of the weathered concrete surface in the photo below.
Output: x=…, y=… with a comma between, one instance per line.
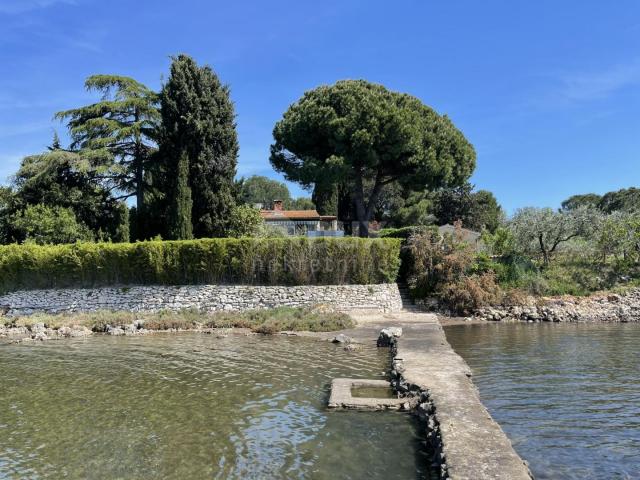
x=473, y=445
x=341, y=396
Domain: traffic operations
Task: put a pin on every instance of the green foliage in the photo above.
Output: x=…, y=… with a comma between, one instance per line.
x=449, y=269
x=245, y=221
x=406, y=232
x=625, y=200
x=477, y=210
x=362, y=136
x=588, y=200
x=401, y=207
x=268, y=261
x=117, y=134
x=301, y=203
x=198, y=118
x=43, y=225
x=180, y=226
x=258, y=189
x=540, y=231
x=263, y=190
x=6, y=203
x=60, y=178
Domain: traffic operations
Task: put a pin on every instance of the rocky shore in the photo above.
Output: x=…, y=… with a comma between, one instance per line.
x=39, y=332
x=597, y=308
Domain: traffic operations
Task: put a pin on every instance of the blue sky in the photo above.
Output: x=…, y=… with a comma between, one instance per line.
x=547, y=91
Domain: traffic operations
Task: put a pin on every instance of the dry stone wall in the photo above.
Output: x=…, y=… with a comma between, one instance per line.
x=209, y=298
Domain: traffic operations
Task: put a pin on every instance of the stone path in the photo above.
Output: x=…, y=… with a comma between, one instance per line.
x=473, y=444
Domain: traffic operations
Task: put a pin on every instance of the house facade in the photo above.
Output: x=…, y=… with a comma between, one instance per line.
x=301, y=222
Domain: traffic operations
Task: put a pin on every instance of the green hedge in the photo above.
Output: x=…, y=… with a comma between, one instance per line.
x=405, y=232
x=268, y=261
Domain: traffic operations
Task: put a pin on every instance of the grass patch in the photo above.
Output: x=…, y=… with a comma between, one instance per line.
x=273, y=320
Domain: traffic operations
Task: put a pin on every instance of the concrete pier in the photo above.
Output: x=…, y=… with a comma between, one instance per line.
x=468, y=443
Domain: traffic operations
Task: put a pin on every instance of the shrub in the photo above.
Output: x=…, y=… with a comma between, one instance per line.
x=451, y=270
x=43, y=225
x=469, y=293
x=261, y=261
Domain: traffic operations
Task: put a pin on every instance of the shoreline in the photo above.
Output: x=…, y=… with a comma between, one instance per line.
x=597, y=308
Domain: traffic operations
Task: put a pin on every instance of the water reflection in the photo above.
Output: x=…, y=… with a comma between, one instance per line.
x=568, y=396
x=194, y=406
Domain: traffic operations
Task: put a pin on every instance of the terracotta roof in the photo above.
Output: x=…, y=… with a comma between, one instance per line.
x=293, y=215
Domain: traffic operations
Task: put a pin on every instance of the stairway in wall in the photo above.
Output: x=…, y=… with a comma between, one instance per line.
x=407, y=302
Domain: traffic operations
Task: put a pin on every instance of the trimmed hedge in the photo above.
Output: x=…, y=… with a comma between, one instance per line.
x=260, y=261
x=405, y=232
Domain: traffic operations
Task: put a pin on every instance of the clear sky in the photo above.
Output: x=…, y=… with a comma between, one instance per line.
x=548, y=91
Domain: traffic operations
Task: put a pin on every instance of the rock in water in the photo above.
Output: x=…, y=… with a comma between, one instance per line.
x=388, y=335
x=342, y=338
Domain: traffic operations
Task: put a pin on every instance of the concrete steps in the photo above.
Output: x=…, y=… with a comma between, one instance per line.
x=407, y=301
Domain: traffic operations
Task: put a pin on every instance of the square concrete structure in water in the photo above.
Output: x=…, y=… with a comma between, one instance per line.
x=341, y=395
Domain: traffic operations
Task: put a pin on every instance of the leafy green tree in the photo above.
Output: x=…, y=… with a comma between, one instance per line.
x=263, y=190
x=589, y=200
x=540, y=231
x=258, y=189
x=198, y=118
x=180, y=227
x=301, y=203
x=6, y=208
x=118, y=133
x=43, y=224
x=60, y=178
x=624, y=200
x=245, y=221
x=453, y=204
x=485, y=212
x=365, y=137
x=618, y=236
x=477, y=210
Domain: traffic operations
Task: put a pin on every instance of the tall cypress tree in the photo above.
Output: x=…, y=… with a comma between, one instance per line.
x=180, y=226
x=198, y=118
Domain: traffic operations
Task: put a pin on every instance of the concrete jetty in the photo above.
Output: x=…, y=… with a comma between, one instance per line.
x=468, y=444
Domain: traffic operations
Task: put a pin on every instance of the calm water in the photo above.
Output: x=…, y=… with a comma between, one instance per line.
x=568, y=396
x=194, y=406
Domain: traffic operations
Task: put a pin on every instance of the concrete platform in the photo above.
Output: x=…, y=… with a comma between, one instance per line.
x=341, y=396
x=469, y=444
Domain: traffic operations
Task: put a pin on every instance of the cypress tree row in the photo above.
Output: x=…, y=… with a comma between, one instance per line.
x=198, y=120
x=180, y=226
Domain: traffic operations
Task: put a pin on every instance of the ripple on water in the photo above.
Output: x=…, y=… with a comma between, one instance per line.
x=568, y=396
x=194, y=406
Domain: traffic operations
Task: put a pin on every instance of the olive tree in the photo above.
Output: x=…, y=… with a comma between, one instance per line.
x=363, y=137
x=540, y=231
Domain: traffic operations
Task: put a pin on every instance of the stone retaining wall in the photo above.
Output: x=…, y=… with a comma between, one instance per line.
x=597, y=308
x=209, y=298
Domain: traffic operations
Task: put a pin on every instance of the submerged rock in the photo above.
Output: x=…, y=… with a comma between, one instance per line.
x=342, y=338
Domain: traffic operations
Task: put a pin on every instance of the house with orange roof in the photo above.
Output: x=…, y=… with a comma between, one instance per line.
x=301, y=222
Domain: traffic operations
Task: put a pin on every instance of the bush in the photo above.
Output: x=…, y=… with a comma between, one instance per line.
x=260, y=261
x=451, y=270
x=469, y=293
x=44, y=225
